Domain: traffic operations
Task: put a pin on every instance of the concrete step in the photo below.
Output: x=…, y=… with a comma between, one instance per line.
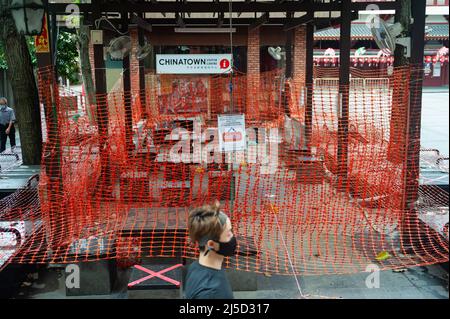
x=168, y=287
x=95, y=278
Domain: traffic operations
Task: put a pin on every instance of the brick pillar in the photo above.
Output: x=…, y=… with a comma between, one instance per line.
x=298, y=81
x=253, y=73
x=299, y=59
x=151, y=84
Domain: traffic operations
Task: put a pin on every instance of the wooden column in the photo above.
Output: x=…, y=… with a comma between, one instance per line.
x=411, y=230
x=104, y=181
x=127, y=93
x=49, y=96
x=344, y=91
x=142, y=92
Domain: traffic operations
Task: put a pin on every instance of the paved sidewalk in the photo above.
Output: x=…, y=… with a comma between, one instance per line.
x=416, y=283
x=435, y=125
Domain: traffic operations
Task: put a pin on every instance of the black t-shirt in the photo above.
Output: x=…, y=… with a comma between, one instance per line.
x=206, y=283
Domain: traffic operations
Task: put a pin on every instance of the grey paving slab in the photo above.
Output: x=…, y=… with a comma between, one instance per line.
x=435, y=124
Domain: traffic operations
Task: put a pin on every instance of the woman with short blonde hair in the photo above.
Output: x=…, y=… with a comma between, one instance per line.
x=210, y=228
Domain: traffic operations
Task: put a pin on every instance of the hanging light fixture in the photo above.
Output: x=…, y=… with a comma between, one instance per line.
x=330, y=52
x=28, y=16
x=391, y=60
x=335, y=62
x=376, y=61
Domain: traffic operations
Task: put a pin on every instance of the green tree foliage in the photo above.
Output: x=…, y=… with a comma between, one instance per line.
x=2, y=57
x=66, y=58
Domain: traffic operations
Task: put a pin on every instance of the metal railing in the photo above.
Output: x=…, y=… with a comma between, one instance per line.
x=355, y=82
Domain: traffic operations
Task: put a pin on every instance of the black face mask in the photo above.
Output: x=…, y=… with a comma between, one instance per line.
x=228, y=249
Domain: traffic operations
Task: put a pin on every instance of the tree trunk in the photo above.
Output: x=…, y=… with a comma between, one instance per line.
x=86, y=71
x=25, y=92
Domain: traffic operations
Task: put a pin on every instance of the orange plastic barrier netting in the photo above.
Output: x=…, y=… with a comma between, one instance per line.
x=119, y=177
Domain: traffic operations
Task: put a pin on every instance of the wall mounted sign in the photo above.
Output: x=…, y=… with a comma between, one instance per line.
x=193, y=63
x=232, y=132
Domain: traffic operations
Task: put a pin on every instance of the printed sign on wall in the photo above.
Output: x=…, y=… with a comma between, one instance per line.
x=193, y=63
x=232, y=132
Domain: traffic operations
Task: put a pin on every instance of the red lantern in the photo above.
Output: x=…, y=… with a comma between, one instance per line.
x=428, y=59
x=435, y=60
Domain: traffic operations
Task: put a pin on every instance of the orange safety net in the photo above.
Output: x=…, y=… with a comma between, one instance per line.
x=318, y=190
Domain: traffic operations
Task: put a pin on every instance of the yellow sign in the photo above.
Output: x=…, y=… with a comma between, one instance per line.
x=42, y=41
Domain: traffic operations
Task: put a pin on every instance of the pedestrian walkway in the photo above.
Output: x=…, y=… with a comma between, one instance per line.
x=435, y=125
x=415, y=283
x=10, y=159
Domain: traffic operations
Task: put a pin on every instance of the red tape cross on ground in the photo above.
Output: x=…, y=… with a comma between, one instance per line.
x=156, y=274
